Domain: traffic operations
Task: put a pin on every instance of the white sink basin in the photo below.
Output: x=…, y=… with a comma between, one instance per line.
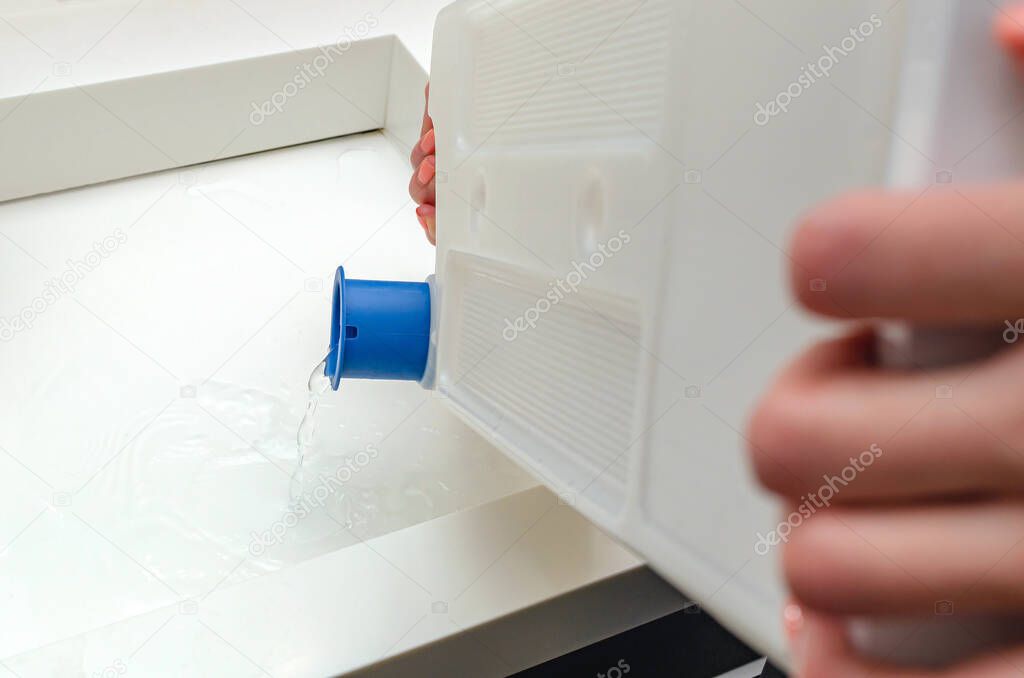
x=153, y=388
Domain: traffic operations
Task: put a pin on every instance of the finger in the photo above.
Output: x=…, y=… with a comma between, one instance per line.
x=1009, y=29
x=884, y=561
x=426, y=170
x=822, y=649
x=416, y=156
x=422, y=184
x=427, y=217
x=947, y=255
x=427, y=122
x=826, y=652
x=833, y=429
x=424, y=147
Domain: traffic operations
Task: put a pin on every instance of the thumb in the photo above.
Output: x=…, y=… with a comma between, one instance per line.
x=827, y=650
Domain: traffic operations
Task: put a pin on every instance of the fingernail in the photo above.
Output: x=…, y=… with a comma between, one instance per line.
x=427, y=216
x=430, y=230
x=426, y=172
x=427, y=142
x=796, y=633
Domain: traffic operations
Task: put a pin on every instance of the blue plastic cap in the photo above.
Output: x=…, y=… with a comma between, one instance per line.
x=379, y=330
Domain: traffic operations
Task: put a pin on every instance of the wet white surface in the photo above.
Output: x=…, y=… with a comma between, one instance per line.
x=151, y=406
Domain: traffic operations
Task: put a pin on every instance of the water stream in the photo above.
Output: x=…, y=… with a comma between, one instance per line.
x=316, y=386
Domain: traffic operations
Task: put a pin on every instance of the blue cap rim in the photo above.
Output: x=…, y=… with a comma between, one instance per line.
x=336, y=356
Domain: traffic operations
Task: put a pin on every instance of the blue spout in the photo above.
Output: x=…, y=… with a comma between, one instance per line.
x=379, y=330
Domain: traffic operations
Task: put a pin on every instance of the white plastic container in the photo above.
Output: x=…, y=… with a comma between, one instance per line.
x=615, y=187
x=632, y=155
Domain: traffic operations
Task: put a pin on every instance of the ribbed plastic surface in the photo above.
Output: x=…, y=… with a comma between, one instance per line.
x=561, y=74
x=564, y=382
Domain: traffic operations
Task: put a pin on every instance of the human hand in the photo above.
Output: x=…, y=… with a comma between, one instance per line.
x=421, y=186
x=932, y=509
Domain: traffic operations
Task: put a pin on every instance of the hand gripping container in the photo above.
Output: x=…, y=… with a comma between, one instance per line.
x=616, y=182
